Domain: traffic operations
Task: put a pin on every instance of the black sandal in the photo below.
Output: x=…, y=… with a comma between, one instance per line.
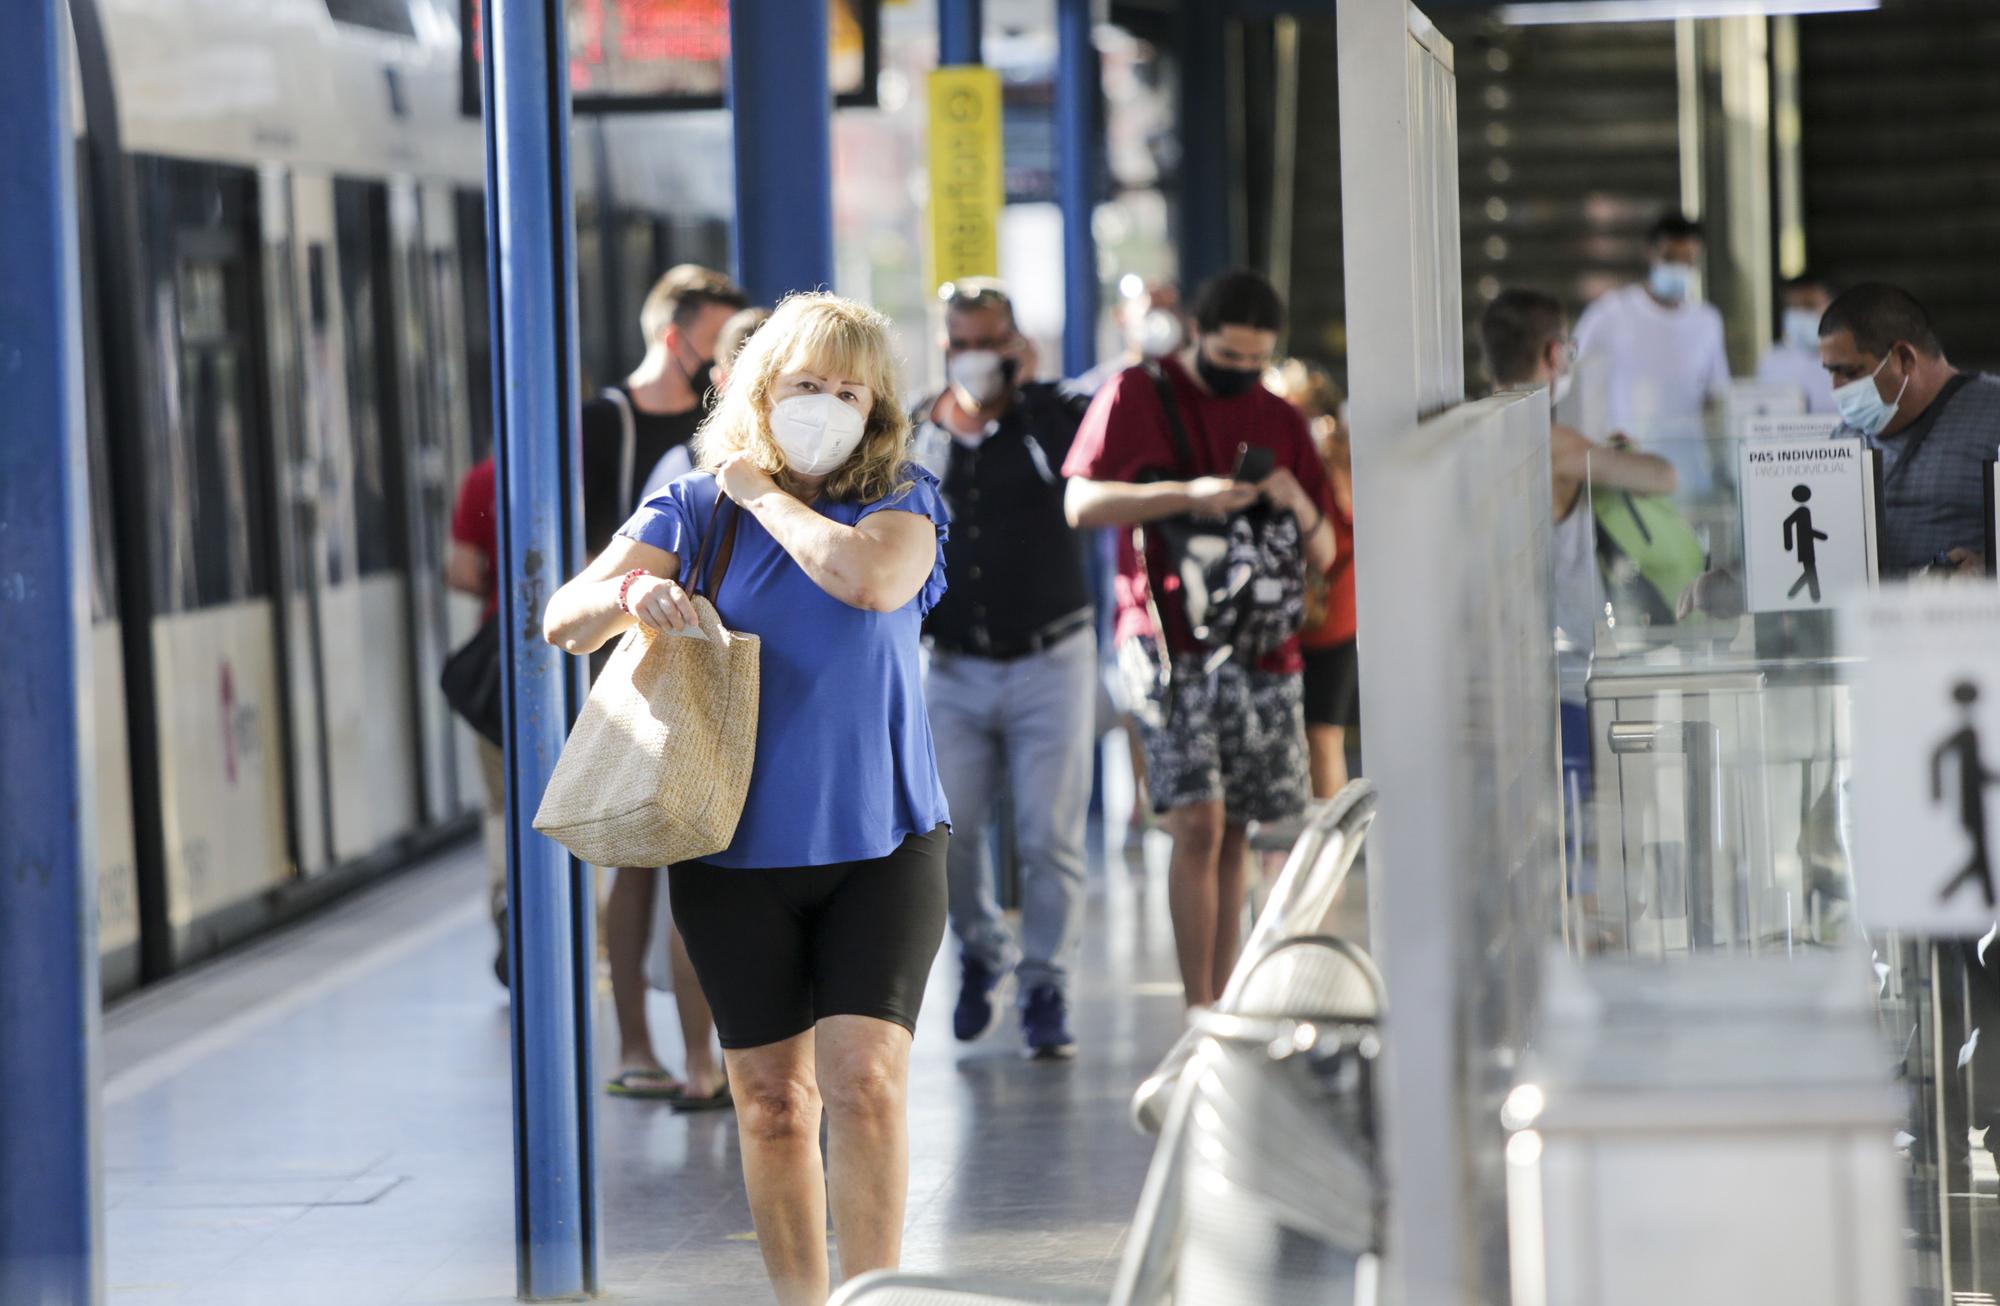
x=715, y=1101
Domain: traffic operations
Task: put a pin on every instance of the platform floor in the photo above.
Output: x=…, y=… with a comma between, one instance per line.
x=324, y=1120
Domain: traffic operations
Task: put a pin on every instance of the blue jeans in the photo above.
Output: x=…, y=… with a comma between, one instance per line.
x=1575, y=747
x=1031, y=717
x=1576, y=770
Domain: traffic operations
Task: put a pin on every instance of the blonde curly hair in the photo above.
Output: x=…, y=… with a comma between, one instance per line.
x=832, y=337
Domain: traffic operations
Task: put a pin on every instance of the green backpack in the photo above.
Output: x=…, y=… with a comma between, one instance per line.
x=1650, y=533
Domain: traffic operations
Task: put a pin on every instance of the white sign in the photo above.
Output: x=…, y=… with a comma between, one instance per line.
x=1811, y=426
x=1744, y=400
x=1805, y=522
x=1926, y=755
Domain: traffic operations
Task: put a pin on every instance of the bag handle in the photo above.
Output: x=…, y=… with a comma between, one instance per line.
x=709, y=583
x=628, y=440
x=1175, y=426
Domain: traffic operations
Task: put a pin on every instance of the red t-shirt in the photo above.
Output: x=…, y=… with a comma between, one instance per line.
x=475, y=524
x=1125, y=437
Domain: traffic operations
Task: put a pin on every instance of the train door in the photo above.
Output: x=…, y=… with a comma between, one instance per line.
x=429, y=353
x=294, y=448
x=215, y=667
x=356, y=778
x=359, y=541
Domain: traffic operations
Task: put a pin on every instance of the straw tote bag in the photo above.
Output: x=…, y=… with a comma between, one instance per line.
x=658, y=762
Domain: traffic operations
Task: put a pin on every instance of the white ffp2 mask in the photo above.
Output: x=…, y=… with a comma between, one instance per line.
x=816, y=433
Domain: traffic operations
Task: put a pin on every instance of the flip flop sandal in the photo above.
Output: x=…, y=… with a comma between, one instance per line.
x=647, y=1085
x=715, y=1101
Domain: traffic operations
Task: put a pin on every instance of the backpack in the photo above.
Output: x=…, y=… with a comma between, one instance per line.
x=1243, y=578
x=1649, y=553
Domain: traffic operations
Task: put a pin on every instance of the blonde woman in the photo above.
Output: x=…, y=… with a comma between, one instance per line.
x=814, y=931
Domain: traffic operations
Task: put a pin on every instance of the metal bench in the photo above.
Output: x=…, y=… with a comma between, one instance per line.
x=1262, y=1186
x=1323, y=853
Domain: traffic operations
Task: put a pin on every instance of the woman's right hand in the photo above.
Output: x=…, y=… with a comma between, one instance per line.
x=661, y=605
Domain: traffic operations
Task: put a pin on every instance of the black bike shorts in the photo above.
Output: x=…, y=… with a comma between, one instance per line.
x=779, y=950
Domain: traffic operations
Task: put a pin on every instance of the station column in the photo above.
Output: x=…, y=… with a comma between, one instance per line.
x=1207, y=178
x=552, y=916
x=960, y=24
x=781, y=105
x=50, y=1254
x=1076, y=125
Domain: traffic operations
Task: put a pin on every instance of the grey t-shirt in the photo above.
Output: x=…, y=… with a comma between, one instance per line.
x=1934, y=476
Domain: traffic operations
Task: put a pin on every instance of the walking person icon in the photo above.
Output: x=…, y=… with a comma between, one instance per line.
x=1973, y=780
x=1800, y=538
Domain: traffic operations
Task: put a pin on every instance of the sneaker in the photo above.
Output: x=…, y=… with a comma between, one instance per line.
x=978, y=1002
x=1045, y=1023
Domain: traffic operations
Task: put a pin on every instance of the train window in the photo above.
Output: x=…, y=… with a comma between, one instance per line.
x=392, y=16
x=361, y=227
x=207, y=487
x=471, y=215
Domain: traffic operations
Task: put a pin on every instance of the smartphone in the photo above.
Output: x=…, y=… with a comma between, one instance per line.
x=1254, y=462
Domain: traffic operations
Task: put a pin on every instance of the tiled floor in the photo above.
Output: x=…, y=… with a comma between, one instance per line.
x=324, y=1121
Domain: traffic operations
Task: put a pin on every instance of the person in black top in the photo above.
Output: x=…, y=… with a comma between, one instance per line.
x=628, y=428
x=626, y=431
x=1013, y=660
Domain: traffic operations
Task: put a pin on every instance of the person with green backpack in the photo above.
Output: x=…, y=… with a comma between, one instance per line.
x=1524, y=334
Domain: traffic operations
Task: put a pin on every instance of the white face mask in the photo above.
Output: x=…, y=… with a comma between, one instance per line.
x=1671, y=283
x=1560, y=387
x=979, y=374
x=1802, y=330
x=816, y=433
x=1862, y=406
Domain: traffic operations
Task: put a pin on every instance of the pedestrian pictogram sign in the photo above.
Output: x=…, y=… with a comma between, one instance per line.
x=1808, y=533
x=1926, y=755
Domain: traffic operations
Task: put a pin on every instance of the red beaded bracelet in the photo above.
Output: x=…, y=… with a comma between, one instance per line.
x=625, y=587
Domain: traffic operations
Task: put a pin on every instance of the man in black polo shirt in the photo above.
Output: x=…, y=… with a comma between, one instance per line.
x=1013, y=661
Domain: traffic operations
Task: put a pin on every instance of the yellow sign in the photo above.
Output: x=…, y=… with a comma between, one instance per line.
x=967, y=188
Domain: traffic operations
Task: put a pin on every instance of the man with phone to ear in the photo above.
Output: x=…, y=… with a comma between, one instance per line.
x=1194, y=443
x=1013, y=671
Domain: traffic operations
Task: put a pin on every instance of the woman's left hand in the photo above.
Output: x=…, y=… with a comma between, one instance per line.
x=743, y=480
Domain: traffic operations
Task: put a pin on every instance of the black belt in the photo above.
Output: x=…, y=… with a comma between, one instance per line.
x=979, y=646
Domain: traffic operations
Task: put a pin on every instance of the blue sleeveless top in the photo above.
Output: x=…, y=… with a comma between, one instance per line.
x=845, y=768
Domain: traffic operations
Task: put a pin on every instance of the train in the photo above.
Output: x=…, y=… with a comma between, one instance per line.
x=283, y=241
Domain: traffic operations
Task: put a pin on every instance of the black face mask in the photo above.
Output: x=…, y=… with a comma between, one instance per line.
x=1227, y=382
x=701, y=377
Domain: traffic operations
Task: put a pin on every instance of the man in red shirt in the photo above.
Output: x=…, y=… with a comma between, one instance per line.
x=1225, y=744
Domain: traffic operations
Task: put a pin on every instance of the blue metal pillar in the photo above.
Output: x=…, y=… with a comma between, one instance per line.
x=1076, y=132
x=961, y=24
x=1206, y=177
x=552, y=909
x=49, y=1249
x=782, y=106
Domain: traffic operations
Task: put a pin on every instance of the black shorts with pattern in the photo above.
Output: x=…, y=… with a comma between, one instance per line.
x=1235, y=734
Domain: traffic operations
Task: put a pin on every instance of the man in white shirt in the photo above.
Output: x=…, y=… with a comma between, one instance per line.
x=1662, y=347
x=1794, y=359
